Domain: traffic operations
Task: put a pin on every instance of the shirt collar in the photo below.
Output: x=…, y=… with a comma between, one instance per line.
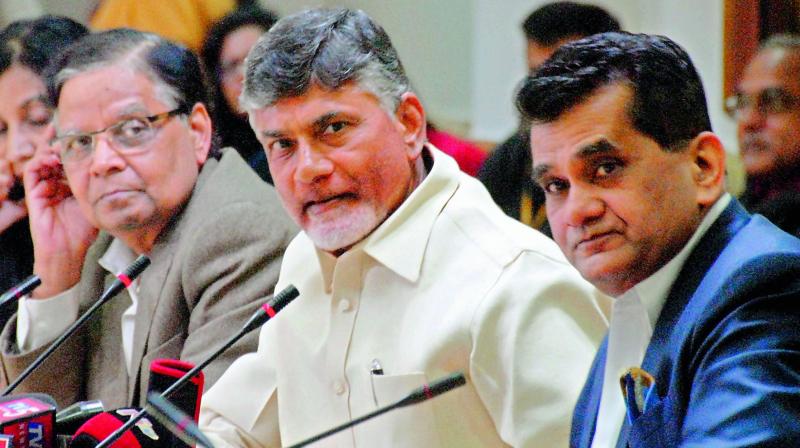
x=117, y=257
x=399, y=243
x=653, y=290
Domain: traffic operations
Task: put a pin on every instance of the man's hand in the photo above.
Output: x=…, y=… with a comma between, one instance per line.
x=10, y=211
x=61, y=233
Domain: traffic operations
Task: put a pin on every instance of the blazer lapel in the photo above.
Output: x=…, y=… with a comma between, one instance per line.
x=584, y=418
x=669, y=325
x=152, y=283
x=732, y=219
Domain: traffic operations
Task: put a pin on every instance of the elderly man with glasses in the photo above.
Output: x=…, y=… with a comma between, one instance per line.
x=766, y=107
x=137, y=172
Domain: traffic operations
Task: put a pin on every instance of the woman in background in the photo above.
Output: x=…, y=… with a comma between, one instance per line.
x=26, y=46
x=223, y=55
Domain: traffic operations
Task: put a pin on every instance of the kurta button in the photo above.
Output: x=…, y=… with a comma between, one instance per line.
x=338, y=387
x=344, y=305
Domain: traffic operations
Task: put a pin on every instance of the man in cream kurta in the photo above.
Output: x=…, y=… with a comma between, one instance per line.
x=447, y=283
x=407, y=270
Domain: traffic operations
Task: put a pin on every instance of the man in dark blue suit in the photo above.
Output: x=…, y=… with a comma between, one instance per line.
x=705, y=326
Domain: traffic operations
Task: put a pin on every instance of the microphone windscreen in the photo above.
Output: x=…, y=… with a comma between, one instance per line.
x=145, y=434
x=178, y=423
x=29, y=419
x=165, y=372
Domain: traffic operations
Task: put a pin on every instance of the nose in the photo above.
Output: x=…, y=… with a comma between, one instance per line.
x=750, y=118
x=105, y=159
x=583, y=207
x=21, y=148
x=312, y=165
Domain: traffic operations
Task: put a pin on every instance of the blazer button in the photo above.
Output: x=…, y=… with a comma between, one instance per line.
x=344, y=306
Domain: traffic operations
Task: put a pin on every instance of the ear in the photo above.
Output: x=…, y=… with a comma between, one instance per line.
x=410, y=117
x=201, y=131
x=708, y=167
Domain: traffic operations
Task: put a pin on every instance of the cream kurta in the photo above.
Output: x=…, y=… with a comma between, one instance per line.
x=447, y=283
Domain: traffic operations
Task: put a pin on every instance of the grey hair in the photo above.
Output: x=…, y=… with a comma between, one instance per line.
x=174, y=70
x=324, y=47
x=127, y=48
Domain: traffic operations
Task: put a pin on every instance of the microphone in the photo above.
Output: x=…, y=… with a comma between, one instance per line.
x=69, y=419
x=176, y=421
x=123, y=280
x=426, y=392
x=20, y=289
x=146, y=433
x=263, y=314
x=29, y=419
x=164, y=372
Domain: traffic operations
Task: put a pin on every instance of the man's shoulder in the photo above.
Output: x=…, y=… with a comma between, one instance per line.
x=481, y=224
x=758, y=261
x=231, y=180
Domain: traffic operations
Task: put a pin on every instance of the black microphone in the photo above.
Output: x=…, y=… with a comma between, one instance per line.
x=20, y=289
x=164, y=372
x=426, y=392
x=123, y=280
x=264, y=313
x=177, y=421
x=29, y=419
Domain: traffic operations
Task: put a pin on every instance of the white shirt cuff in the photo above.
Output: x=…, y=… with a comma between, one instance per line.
x=40, y=321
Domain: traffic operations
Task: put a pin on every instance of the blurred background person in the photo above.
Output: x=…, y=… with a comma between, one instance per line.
x=766, y=107
x=507, y=171
x=182, y=21
x=468, y=155
x=223, y=54
x=25, y=48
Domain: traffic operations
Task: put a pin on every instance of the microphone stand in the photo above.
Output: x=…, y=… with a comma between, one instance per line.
x=123, y=280
x=421, y=394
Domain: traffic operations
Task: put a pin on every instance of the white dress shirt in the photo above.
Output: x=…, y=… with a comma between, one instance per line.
x=447, y=283
x=41, y=321
x=633, y=317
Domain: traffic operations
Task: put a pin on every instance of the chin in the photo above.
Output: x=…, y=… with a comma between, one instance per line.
x=345, y=231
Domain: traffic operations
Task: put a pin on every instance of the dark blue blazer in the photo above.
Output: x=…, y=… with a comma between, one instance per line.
x=725, y=350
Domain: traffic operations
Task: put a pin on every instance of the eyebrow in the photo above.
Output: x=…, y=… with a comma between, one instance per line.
x=38, y=98
x=602, y=146
x=319, y=123
x=122, y=114
x=324, y=120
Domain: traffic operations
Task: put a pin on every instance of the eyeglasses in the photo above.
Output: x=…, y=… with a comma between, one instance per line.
x=773, y=100
x=127, y=136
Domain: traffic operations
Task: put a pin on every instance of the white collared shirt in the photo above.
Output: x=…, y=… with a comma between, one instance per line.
x=446, y=283
x=41, y=321
x=633, y=317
